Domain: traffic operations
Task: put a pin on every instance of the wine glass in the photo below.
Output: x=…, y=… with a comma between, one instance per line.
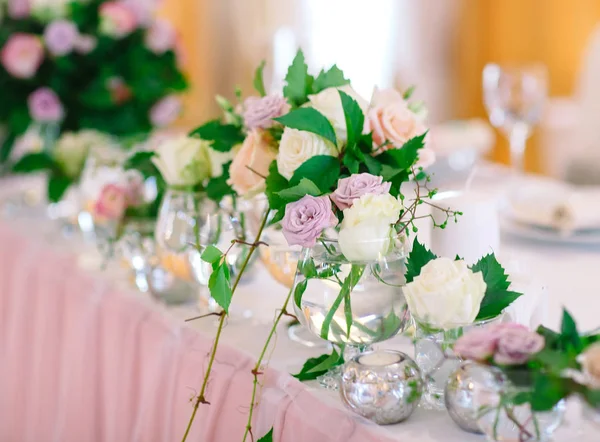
x=514, y=97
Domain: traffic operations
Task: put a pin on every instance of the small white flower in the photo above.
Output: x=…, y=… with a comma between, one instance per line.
x=446, y=294
x=297, y=146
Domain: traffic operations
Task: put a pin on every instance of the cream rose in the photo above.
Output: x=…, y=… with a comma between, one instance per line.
x=297, y=146
x=446, y=294
x=590, y=361
x=390, y=119
x=72, y=149
x=251, y=164
x=183, y=161
x=329, y=103
x=366, y=231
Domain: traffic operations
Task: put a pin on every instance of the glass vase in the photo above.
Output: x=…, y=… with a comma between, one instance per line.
x=435, y=357
x=351, y=303
x=503, y=415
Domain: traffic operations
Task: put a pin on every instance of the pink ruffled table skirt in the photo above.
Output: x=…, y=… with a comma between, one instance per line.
x=81, y=361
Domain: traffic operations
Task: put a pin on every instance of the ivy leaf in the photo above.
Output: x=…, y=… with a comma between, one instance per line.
x=34, y=162
x=304, y=187
x=211, y=254
x=334, y=77
x=417, y=258
x=217, y=187
x=322, y=170
x=299, y=291
x=307, y=373
x=267, y=437
x=57, y=186
x=356, y=272
x=220, y=286
x=258, y=83
x=494, y=302
x=298, y=82
x=355, y=119
x=309, y=120
x=223, y=136
x=493, y=273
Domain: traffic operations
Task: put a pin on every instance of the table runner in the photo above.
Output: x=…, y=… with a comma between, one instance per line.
x=83, y=361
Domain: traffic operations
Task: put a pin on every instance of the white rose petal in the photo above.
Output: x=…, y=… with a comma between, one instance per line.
x=446, y=294
x=183, y=161
x=297, y=146
x=329, y=103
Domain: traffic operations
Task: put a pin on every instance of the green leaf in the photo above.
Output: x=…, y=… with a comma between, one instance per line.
x=551, y=338
x=267, y=437
x=326, y=364
x=355, y=119
x=223, y=136
x=211, y=254
x=299, y=291
x=373, y=165
x=401, y=160
x=34, y=162
x=569, y=333
x=356, y=272
x=275, y=183
x=408, y=92
x=547, y=391
x=304, y=187
x=57, y=186
x=592, y=397
x=494, y=302
x=417, y=258
x=298, y=82
x=139, y=160
x=218, y=187
x=308, y=374
x=307, y=268
x=493, y=273
x=322, y=170
x=220, y=286
x=258, y=83
x=310, y=120
x=334, y=77
x=553, y=359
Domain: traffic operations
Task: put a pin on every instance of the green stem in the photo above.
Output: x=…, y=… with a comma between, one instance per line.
x=201, y=396
x=256, y=369
x=522, y=430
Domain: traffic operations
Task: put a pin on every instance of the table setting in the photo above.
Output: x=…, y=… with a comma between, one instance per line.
x=299, y=268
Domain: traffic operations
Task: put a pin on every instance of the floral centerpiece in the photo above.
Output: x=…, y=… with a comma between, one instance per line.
x=65, y=66
x=532, y=373
x=332, y=166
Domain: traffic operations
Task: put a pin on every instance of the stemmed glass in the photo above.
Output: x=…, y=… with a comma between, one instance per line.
x=514, y=97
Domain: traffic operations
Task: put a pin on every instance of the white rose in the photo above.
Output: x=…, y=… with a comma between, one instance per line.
x=219, y=159
x=366, y=231
x=46, y=10
x=329, y=103
x=183, y=161
x=72, y=148
x=297, y=146
x=446, y=294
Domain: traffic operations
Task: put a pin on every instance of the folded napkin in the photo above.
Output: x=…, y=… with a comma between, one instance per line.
x=557, y=206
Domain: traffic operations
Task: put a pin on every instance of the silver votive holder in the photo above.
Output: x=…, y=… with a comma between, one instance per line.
x=384, y=386
x=461, y=388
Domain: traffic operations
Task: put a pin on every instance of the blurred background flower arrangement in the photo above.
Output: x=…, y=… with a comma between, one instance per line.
x=76, y=75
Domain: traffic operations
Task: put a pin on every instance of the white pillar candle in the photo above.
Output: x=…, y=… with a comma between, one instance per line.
x=476, y=232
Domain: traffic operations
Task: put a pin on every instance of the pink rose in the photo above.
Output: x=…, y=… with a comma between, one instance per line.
x=160, y=37
x=165, y=111
x=305, y=220
x=143, y=10
x=18, y=8
x=352, y=188
x=251, y=164
x=516, y=345
x=22, y=55
x=260, y=111
x=84, y=44
x=478, y=344
x=134, y=188
x=112, y=202
x=44, y=106
x=391, y=120
x=60, y=37
x=117, y=19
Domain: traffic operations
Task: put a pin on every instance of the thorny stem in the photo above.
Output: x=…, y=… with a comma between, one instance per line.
x=201, y=396
x=256, y=370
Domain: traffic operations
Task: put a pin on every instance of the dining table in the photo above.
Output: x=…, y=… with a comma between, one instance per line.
x=86, y=356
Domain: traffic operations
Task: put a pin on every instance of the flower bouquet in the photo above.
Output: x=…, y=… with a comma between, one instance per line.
x=446, y=298
x=107, y=66
x=531, y=374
